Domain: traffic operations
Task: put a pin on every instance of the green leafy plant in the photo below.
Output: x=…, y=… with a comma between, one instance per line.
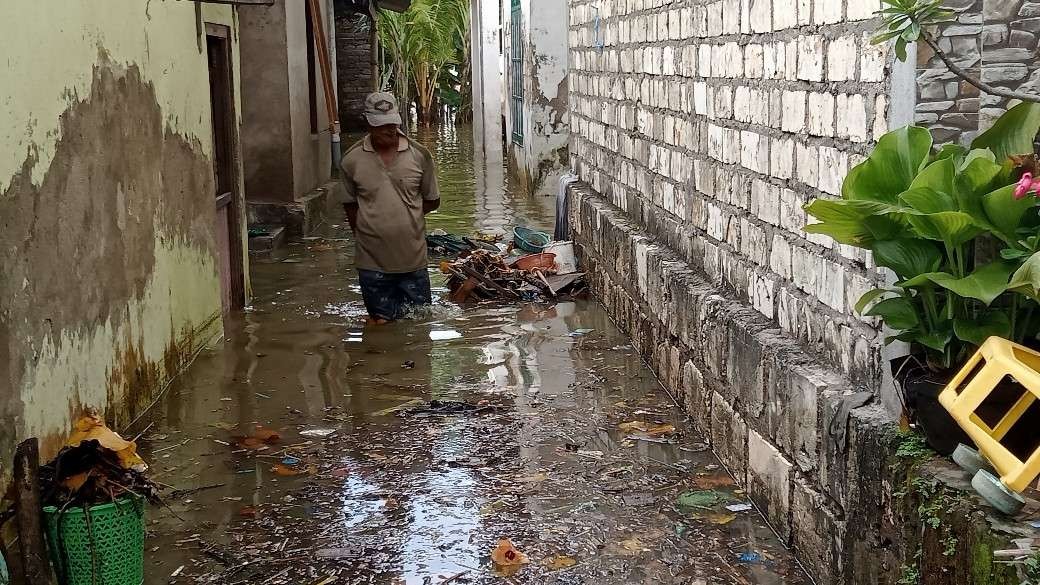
x=422, y=46
x=930, y=215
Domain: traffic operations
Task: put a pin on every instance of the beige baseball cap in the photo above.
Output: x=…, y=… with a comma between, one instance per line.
x=381, y=109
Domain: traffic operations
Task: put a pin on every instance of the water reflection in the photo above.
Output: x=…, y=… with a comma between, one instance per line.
x=400, y=495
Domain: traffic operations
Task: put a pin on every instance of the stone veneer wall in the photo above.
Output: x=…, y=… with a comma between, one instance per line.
x=354, y=73
x=699, y=129
x=995, y=40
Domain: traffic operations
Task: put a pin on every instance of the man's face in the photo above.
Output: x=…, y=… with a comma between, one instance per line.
x=384, y=137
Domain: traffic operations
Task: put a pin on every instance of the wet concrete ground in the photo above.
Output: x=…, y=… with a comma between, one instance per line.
x=545, y=429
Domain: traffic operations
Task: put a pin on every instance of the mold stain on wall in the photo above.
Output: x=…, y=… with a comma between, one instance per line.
x=108, y=259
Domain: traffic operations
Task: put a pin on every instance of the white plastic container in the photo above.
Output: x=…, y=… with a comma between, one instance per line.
x=565, y=261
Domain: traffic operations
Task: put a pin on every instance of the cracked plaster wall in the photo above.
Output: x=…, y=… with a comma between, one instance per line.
x=543, y=153
x=108, y=277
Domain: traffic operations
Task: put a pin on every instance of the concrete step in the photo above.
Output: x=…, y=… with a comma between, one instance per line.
x=265, y=238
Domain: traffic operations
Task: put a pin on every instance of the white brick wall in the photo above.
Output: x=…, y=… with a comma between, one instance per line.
x=727, y=116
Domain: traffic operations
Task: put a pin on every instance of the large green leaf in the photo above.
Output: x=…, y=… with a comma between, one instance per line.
x=897, y=313
x=951, y=227
x=854, y=223
x=985, y=284
x=940, y=176
x=907, y=257
x=1005, y=212
x=975, y=331
x=1013, y=133
x=1026, y=279
x=928, y=200
x=937, y=340
x=869, y=297
x=891, y=167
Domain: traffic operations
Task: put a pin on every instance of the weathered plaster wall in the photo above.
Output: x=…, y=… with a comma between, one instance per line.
x=109, y=281
x=284, y=160
x=543, y=153
x=311, y=151
x=266, y=122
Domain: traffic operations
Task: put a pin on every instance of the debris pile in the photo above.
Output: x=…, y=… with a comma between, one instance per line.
x=96, y=466
x=485, y=275
x=441, y=243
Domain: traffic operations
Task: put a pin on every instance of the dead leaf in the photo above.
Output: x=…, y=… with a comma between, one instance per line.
x=247, y=512
x=341, y=472
x=224, y=426
x=708, y=482
x=266, y=435
x=560, y=562
x=632, y=544
x=720, y=518
x=659, y=430
x=286, y=471
x=636, y=425
x=507, y=555
x=533, y=478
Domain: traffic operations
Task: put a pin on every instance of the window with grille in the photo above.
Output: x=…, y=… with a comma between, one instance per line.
x=516, y=82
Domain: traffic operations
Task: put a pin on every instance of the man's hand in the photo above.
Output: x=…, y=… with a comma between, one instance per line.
x=429, y=206
x=352, y=211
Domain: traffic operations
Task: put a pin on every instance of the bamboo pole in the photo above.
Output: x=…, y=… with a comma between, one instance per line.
x=35, y=566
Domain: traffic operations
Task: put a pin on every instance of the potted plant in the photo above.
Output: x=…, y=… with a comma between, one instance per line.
x=959, y=228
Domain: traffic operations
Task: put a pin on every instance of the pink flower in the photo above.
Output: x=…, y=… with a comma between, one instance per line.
x=1026, y=185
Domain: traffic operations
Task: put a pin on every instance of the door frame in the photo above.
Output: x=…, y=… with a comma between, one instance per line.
x=232, y=200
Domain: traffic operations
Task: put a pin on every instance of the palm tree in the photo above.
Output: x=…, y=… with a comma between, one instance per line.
x=422, y=42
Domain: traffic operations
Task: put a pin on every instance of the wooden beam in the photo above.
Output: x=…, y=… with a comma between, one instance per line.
x=35, y=566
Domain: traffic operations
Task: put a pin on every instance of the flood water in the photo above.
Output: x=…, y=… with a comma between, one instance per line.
x=405, y=452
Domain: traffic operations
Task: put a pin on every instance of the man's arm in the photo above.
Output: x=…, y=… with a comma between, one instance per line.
x=350, y=202
x=430, y=191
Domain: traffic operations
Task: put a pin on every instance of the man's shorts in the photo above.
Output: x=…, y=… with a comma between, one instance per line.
x=389, y=296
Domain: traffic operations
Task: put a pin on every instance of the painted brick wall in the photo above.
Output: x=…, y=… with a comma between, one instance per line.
x=712, y=122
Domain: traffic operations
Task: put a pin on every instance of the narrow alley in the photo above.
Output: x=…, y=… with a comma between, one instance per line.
x=419, y=444
x=576, y=292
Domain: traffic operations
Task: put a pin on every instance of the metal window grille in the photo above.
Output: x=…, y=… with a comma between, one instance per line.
x=516, y=82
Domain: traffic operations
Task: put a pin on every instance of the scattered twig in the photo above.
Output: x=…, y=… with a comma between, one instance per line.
x=141, y=434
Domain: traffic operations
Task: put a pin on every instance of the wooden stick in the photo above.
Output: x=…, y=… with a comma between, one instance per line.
x=35, y=565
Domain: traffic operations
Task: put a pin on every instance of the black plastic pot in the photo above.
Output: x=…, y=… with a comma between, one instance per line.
x=921, y=389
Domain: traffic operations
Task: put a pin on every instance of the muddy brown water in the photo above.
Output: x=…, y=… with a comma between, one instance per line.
x=527, y=438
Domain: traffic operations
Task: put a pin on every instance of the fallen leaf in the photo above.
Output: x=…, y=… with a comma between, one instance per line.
x=224, y=426
x=74, y=482
x=533, y=478
x=286, y=471
x=266, y=435
x=700, y=499
x=560, y=562
x=665, y=429
x=341, y=472
x=720, y=519
x=506, y=555
x=636, y=425
x=707, y=482
x=632, y=544
x=247, y=512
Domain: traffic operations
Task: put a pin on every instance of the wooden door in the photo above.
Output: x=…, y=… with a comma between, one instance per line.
x=227, y=228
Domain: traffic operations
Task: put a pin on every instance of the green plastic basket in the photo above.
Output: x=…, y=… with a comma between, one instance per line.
x=102, y=545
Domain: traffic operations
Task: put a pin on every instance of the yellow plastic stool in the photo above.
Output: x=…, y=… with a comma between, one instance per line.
x=998, y=358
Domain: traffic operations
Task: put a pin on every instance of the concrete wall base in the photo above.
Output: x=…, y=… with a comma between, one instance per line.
x=821, y=460
x=300, y=217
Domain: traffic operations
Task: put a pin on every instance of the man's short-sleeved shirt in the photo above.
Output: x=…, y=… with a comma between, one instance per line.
x=391, y=227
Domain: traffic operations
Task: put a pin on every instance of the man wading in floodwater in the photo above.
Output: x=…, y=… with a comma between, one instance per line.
x=391, y=184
